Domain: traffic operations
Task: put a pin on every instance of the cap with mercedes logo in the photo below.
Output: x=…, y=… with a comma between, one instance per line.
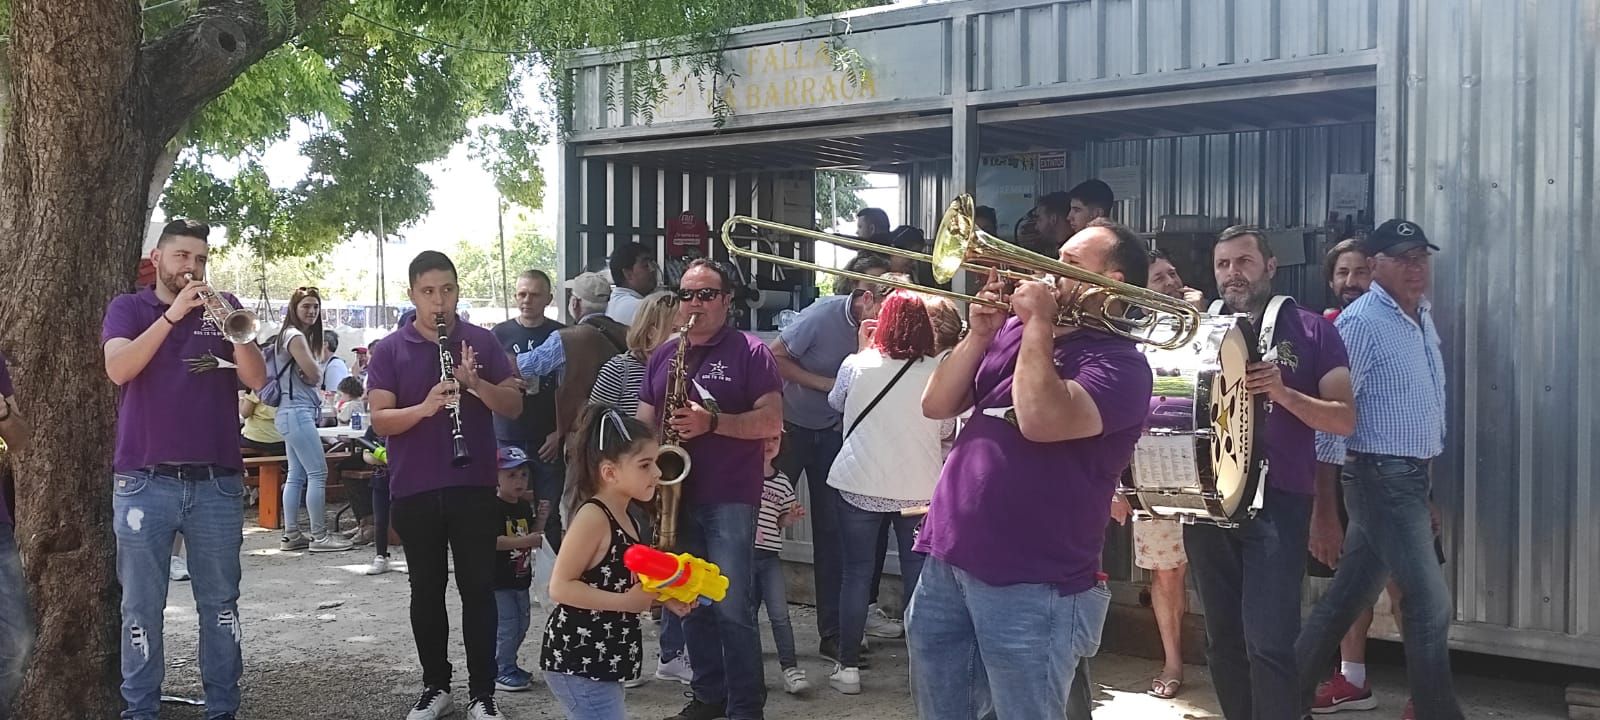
x=1397, y=237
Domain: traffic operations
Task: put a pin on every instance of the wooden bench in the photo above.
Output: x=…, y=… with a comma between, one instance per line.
x=266, y=472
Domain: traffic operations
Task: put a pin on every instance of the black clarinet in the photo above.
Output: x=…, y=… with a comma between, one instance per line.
x=446, y=365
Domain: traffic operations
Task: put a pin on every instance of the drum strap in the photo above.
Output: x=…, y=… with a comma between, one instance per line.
x=1269, y=323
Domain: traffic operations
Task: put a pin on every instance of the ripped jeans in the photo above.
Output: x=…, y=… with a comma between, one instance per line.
x=149, y=508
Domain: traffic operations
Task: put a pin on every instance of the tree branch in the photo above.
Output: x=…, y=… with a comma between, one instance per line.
x=196, y=61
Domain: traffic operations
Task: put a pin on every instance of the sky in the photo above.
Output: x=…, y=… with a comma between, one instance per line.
x=464, y=203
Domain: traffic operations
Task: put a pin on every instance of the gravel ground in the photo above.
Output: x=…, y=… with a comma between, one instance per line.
x=324, y=641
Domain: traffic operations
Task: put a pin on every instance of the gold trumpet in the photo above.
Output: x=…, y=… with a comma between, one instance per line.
x=1094, y=301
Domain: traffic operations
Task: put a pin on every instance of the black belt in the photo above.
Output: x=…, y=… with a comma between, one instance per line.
x=1353, y=456
x=186, y=472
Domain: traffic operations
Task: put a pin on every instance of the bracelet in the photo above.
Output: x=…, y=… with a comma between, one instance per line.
x=169, y=320
x=715, y=416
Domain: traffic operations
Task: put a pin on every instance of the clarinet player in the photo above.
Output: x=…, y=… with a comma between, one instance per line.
x=441, y=505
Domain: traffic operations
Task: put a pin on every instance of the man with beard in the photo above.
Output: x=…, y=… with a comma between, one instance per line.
x=1348, y=274
x=1249, y=577
x=177, y=468
x=1398, y=374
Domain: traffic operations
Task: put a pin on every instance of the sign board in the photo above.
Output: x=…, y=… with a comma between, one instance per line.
x=1052, y=161
x=1347, y=193
x=1009, y=184
x=1125, y=181
x=801, y=75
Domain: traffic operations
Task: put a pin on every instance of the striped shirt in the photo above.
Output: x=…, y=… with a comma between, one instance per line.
x=777, y=498
x=1330, y=448
x=1397, y=371
x=618, y=383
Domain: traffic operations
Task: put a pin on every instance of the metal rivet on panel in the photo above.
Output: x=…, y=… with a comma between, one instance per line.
x=1551, y=181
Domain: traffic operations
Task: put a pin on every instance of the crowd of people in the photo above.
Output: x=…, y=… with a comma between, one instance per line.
x=989, y=448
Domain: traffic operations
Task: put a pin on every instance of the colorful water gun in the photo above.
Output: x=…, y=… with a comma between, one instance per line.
x=682, y=577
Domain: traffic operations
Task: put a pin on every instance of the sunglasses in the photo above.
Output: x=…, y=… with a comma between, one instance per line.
x=702, y=294
x=308, y=290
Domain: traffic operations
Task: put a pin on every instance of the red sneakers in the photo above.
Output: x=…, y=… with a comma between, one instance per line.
x=1338, y=694
x=1410, y=713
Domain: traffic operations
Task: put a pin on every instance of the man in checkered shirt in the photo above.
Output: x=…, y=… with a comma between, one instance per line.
x=1398, y=375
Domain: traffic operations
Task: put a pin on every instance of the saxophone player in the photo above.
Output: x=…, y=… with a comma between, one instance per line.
x=734, y=401
x=441, y=507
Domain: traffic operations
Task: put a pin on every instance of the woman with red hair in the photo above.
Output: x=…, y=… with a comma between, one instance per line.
x=890, y=460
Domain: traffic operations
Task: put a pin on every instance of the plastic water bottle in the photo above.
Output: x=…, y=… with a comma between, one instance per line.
x=355, y=421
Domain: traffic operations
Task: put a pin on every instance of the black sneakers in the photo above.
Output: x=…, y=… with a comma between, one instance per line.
x=697, y=710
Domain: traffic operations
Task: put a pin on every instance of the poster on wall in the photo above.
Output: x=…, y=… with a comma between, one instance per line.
x=1010, y=185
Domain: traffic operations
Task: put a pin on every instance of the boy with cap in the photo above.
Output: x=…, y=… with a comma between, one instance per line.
x=520, y=536
x=1398, y=374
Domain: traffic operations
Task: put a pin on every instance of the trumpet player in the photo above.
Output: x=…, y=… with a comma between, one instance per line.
x=441, y=505
x=177, y=466
x=733, y=403
x=1015, y=531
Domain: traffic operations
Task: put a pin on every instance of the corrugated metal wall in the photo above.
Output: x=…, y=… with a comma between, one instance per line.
x=1083, y=40
x=1498, y=163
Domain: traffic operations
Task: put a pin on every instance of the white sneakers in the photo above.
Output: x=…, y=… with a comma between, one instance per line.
x=483, y=709
x=434, y=703
x=794, y=681
x=880, y=625
x=330, y=542
x=845, y=680
x=676, y=669
x=379, y=566
x=180, y=568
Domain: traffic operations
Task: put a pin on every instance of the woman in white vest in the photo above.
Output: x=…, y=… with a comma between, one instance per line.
x=890, y=460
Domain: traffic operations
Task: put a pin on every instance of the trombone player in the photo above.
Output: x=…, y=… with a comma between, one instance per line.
x=1016, y=527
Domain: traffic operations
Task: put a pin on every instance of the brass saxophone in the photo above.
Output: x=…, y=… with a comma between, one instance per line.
x=673, y=460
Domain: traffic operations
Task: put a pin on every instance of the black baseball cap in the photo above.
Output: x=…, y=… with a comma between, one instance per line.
x=1396, y=237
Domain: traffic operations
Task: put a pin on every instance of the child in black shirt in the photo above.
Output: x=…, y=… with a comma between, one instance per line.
x=521, y=534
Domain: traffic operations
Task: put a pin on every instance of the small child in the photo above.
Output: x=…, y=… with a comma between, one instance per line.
x=779, y=509
x=520, y=535
x=350, y=392
x=592, y=641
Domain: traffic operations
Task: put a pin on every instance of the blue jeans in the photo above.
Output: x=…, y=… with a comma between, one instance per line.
x=149, y=508
x=1249, y=581
x=511, y=629
x=585, y=699
x=308, y=469
x=860, y=532
x=1011, y=650
x=1390, y=534
x=812, y=452
x=770, y=590
x=723, y=639
x=16, y=620
x=672, y=642
x=547, y=480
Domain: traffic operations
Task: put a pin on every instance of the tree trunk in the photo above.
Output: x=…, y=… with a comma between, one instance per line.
x=72, y=178
x=165, y=161
x=90, y=112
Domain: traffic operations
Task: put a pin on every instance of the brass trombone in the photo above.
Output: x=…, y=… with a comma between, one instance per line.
x=1094, y=301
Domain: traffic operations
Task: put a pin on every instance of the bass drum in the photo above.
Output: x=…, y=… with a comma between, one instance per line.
x=1202, y=457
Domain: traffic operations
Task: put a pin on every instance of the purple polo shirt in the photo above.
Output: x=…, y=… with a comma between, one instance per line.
x=1009, y=510
x=5, y=391
x=735, y=369
x=407, y=364
x=1309, y=347
x=168, y=414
